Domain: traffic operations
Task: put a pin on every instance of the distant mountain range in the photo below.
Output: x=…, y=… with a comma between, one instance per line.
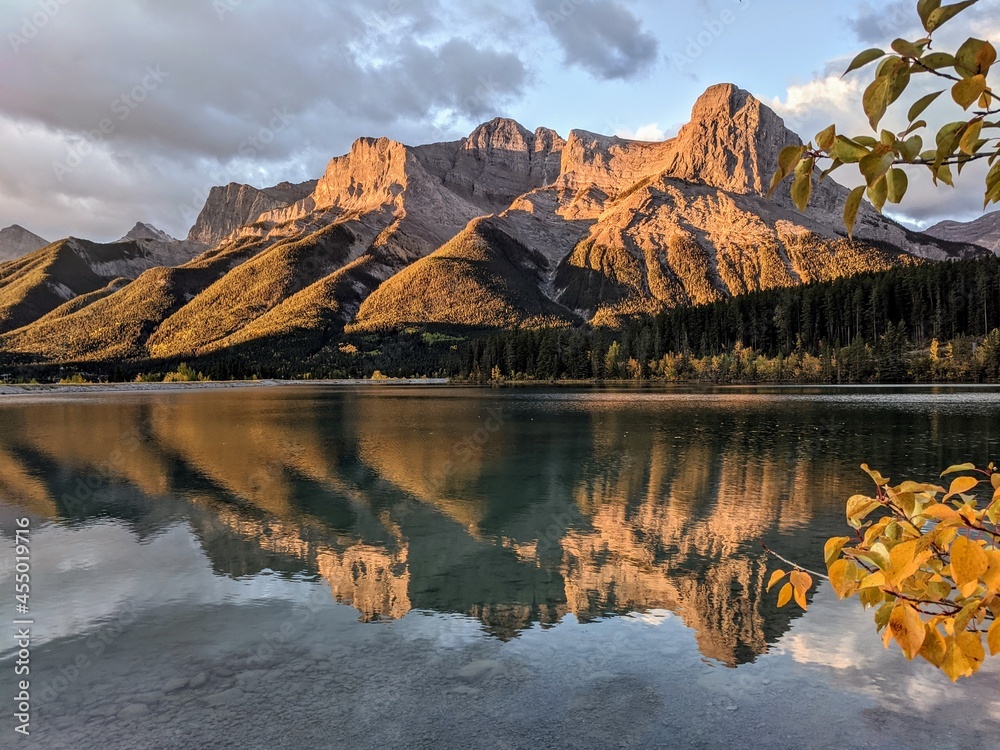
x=984, y=231
x=16, y=241
x=504, y=228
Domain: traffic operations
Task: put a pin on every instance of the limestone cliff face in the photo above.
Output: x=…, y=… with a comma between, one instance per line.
x=499, y=161
x=732, y=142
x=230, y=207
x=984, y=231
x=16, y=241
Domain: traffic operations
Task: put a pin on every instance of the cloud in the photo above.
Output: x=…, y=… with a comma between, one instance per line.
x=603, y=37
x=829, y=98
x=124, y=115
x=650, y=132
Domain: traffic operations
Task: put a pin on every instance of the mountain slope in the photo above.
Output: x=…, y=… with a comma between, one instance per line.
x=506, y=227
x=16, y=241
x=33, y=286
x=631, y=227
x=984, y=231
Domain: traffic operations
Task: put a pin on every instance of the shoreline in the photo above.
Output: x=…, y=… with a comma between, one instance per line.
x=57, y=389
x=74, y=388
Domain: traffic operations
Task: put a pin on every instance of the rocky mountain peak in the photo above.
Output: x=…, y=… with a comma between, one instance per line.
x=732, y=142
x=142, y=231
x=500, y=133
x=232, y=206
x=16, y=241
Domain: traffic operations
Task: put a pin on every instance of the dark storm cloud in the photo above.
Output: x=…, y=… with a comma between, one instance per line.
x=120, y=112
x=601, y=36
x=221, y=70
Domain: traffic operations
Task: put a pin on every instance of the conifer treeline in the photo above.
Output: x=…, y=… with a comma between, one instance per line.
x=928, y=322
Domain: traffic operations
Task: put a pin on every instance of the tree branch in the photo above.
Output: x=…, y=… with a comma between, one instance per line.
x=813, y=573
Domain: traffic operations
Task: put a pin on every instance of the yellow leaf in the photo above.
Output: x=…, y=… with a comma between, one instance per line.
x=993, y=638
x=961, y=486
x=958, y=469
x=995, y=480
x=875, y=580
x=943, y=513
x=872, y=597
x=907, y=629
x=834, y=547
x=972, y=647
x=843, y=578
x=954, y=663
x=858, y=508
x=801, y=583
x=785, y=595
x=876, y=476
x=992, y=575
x=775, y=577
x=934, y=647
x=968, y=561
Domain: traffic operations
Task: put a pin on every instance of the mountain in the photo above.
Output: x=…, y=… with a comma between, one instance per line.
x=228, y=208
x=72, y=274
x=632, y=227
x=148, y=233
x=16, y=241
x=506, y=227
x=984, y=231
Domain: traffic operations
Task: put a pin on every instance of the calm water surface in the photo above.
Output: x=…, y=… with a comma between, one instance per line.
x=458, y=568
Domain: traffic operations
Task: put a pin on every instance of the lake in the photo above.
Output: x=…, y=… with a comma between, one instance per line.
x=379, y=567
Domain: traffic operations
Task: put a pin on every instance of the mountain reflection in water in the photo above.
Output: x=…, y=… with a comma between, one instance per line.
x=514, y=507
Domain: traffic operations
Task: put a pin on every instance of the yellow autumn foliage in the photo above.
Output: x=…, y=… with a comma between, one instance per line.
x=926, y=559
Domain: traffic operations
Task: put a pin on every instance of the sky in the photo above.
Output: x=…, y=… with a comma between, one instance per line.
x=113, y=113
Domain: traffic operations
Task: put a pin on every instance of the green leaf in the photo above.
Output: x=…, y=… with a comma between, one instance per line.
x=852, y=207
x=936, y=61
x=878, y=193
x=802, y=187
x=789, y=158
x=920, y=106
x=847, y=151
x=876, y=100
x=908, y=49
x=863, y=59
x=938, y=18
x=826, y=138
x=897, y=182
x=993, y=185
x=925, y=8
x=942, y=173
x=911, y=148
x=975, y=56
x=876, y=164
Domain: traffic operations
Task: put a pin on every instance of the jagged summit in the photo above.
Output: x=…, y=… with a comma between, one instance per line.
x=732, y=142
x=142, y=231
x=230, y=207
x=16, y=241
